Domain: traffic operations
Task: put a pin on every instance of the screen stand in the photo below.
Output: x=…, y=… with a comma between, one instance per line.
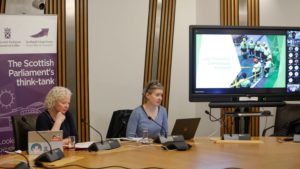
x=241, y=121
x=241, y=125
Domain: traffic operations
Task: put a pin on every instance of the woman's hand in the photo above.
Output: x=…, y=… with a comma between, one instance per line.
x=59, y=119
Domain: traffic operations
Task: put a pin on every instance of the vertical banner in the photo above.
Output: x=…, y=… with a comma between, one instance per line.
x=28, y=68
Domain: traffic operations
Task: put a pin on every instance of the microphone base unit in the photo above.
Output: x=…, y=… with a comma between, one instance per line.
x=178, y=145
x=49, y=156
x=106, y=145
x=173, y=142
x=22, y=165
x=237, y=137
x=296, y=138
x=162, y=139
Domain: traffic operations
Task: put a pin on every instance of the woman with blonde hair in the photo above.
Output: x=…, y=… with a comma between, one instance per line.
x=57, y=116
x=150, y=115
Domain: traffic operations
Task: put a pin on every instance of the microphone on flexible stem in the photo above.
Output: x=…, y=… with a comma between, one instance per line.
x=216, y=119
x=166, y=138
x=49, y=156
x=162, y=127
x=231, y=136
x=102, y=145
x=83, y=121
x=210, y=115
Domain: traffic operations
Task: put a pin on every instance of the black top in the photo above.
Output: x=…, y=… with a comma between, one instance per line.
x=45, y=122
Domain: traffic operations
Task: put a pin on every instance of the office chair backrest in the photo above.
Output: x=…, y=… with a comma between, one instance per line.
x=20, y=130
x=118, y=124
x=285, y=117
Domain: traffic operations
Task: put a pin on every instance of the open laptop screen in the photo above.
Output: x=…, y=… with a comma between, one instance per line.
x=37, y=145
x=186, y=127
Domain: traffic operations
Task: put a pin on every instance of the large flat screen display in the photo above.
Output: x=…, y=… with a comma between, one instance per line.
x=228, y=63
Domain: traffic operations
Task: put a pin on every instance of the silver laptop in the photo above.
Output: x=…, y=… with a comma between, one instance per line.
x=186, y=127
x=37, y=145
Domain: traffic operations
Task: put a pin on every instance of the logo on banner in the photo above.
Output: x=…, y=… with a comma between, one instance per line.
x=7, y=33
x=6, y=98
x=43, y=32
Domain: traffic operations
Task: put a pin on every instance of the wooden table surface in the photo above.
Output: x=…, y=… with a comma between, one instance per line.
x=262, y=153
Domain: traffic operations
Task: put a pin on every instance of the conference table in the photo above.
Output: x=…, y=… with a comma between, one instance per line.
x=206, y=153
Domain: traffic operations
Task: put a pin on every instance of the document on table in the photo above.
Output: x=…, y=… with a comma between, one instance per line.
x=83, y=145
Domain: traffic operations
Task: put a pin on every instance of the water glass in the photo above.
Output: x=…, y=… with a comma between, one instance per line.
x=145, y=139
x=71, y=143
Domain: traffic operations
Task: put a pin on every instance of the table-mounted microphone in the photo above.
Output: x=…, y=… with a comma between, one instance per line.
x=222, y=123
x=162, y=127
x=230, y=136
x=171, y=142
x=102, y=145
x=49, y=156
x=166, y=138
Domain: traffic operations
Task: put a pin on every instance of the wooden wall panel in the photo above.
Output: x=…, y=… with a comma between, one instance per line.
x=228, y=121
x=81, y=23
x=166, y=48
x=254, y=123
x=165, y=45
x=253, y=12
x=150, y=41
x=2, y=6
x=229, y=12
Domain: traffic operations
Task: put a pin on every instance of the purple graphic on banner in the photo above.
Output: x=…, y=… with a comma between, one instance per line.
x=43, y=32
x=25, y=79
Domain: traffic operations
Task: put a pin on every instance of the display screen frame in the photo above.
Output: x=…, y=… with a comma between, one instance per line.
x=275, y=93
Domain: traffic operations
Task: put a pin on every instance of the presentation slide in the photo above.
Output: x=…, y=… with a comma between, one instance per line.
x=240, y=61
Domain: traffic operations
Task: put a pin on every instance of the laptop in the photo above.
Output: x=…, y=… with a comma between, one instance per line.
x=37, y=145
x=186, y=127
